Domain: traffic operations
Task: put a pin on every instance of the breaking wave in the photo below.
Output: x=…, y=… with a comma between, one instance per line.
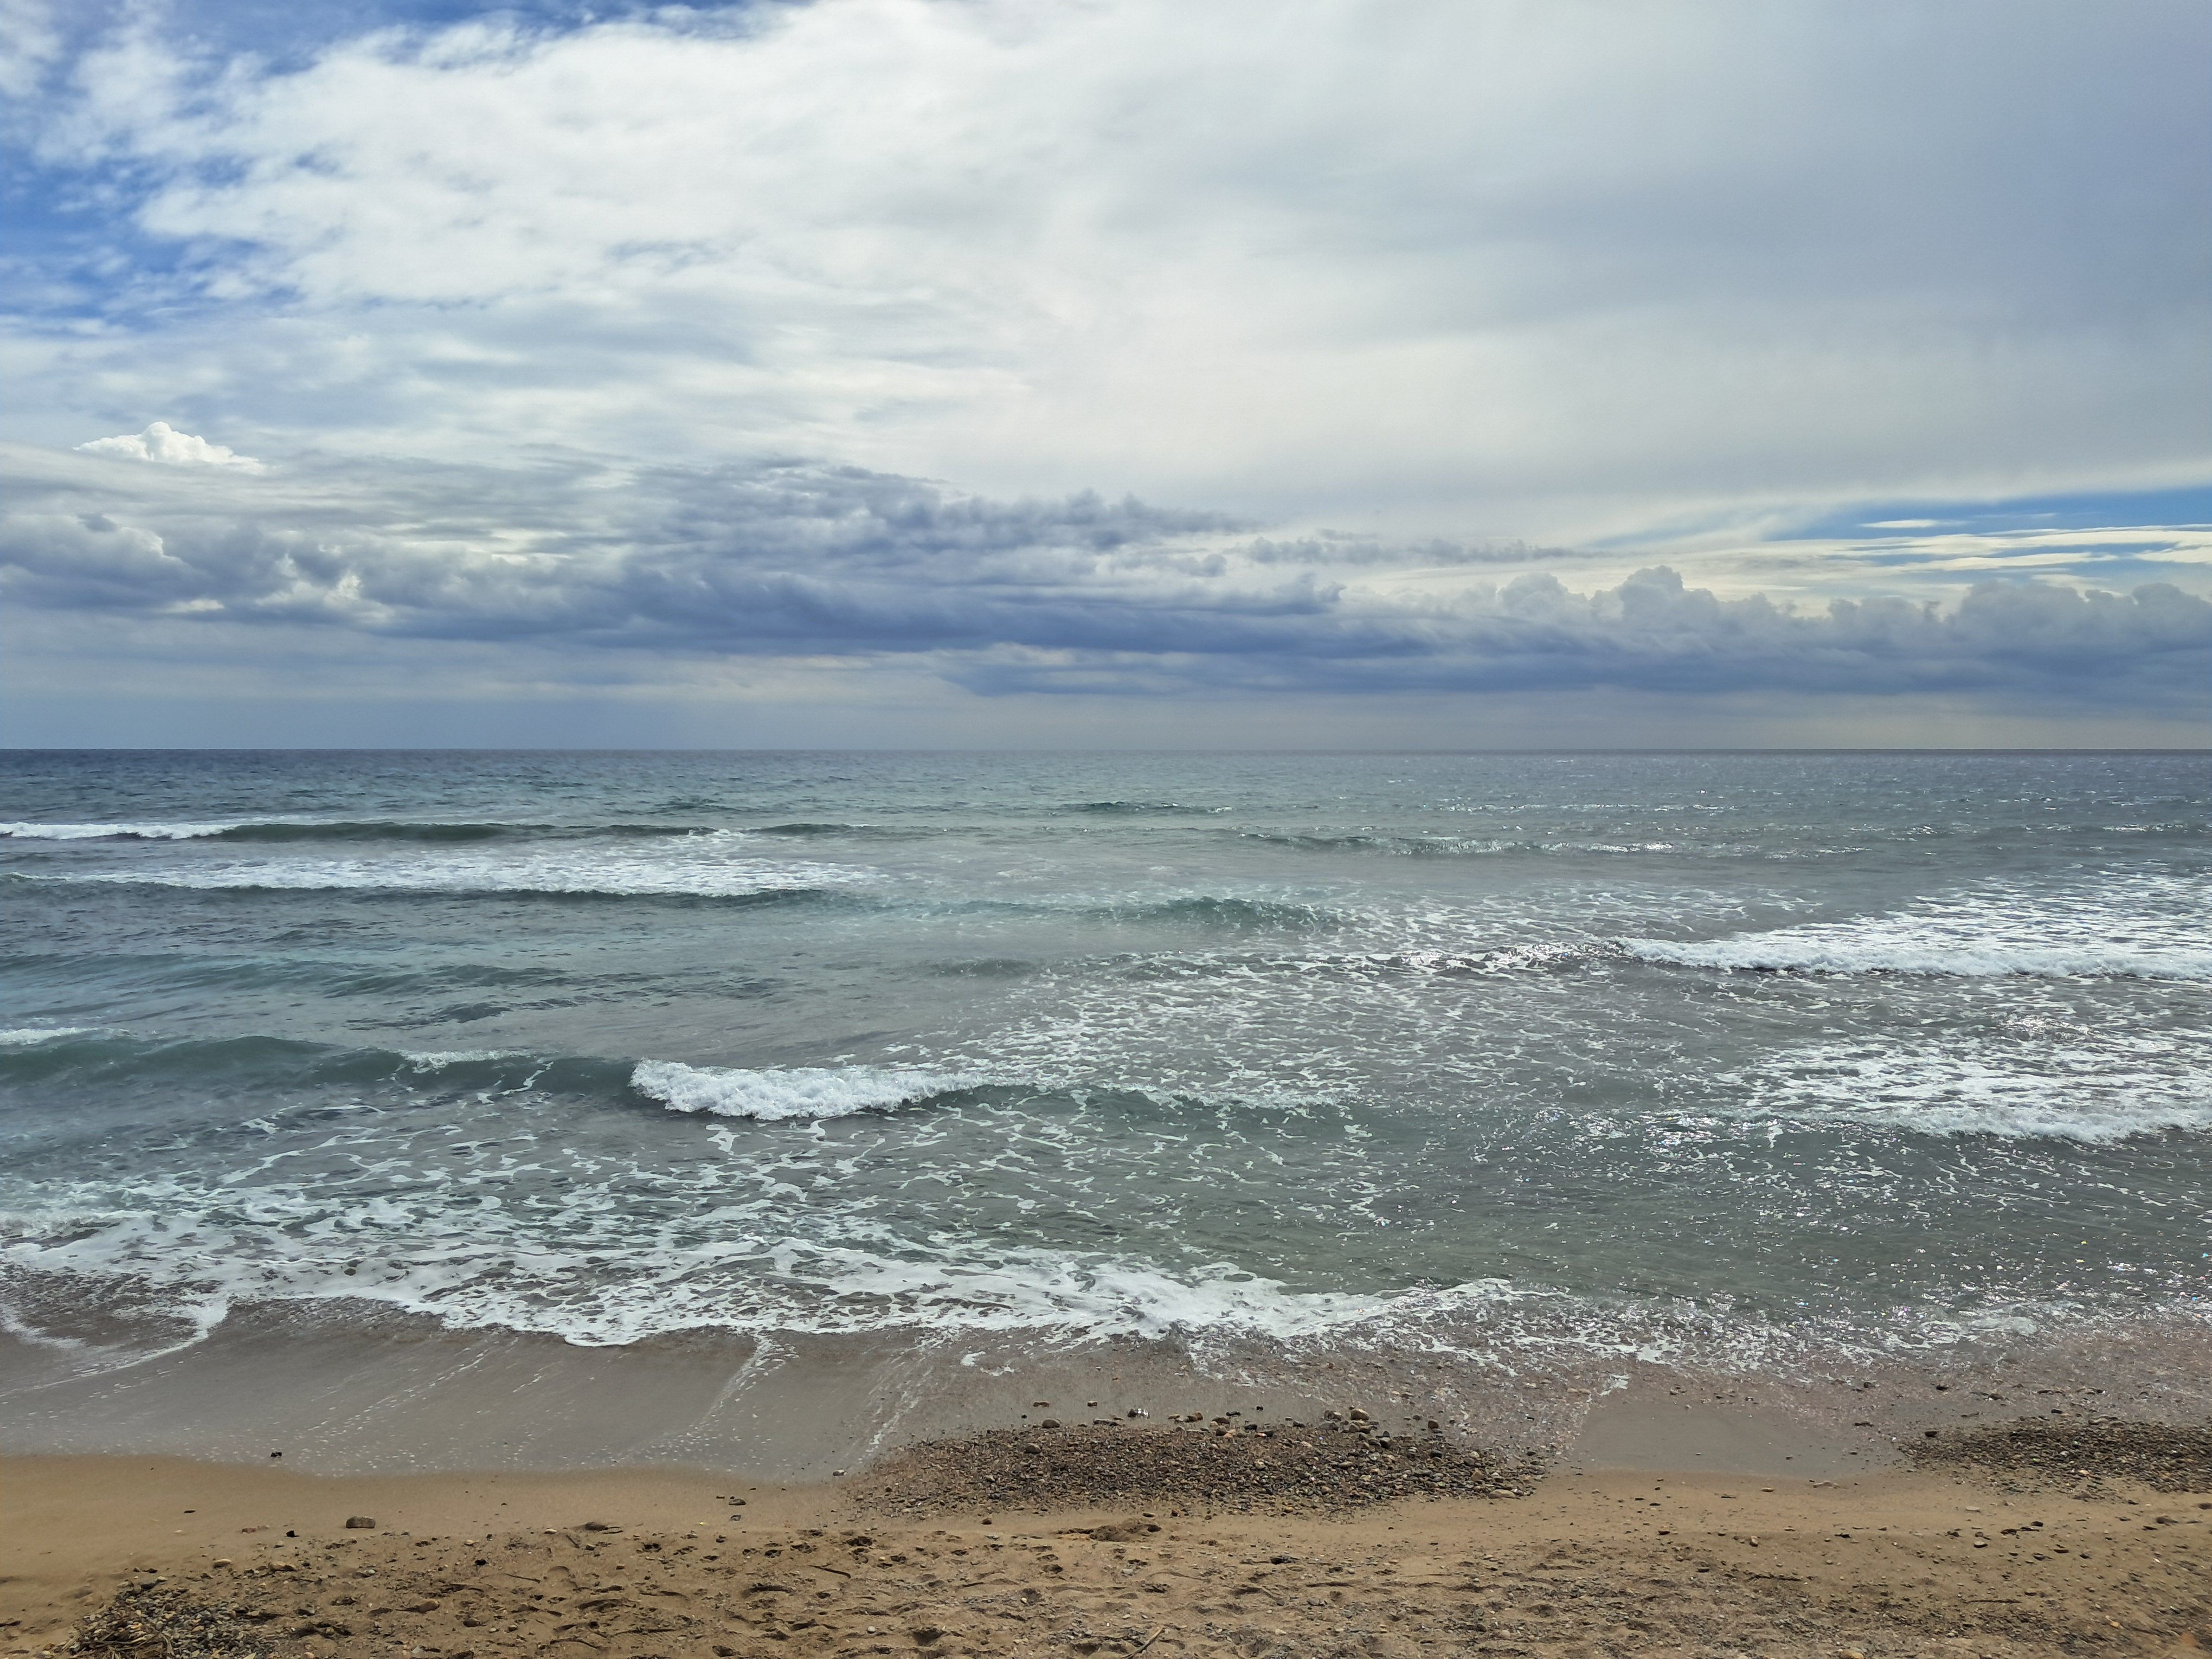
x=2144, y=928
x=812, y=1092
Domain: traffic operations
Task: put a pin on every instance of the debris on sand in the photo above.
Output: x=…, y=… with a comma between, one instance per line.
x=1327, y=1466
x=2162, y=1456
x=158, y=1621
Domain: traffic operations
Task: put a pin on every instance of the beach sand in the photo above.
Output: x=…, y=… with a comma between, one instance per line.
x=1668, y=1528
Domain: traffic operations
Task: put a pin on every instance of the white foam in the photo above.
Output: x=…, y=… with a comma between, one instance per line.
x=595, y=1278
x=700, y=867
x=623, y=1253
x=2085, y=1091
x=164, y=831
x=2141, y=928
x=25, y=1036
x=612, y=1288
x=798, y=1091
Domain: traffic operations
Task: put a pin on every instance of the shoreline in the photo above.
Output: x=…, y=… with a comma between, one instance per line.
x=339, y=1392
x=658, y=1501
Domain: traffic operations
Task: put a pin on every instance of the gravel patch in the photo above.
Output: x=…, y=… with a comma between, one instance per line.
x=2161, y=1456
x=1336, y=1464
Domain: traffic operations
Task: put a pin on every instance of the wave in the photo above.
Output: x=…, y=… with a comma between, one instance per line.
x=2141, y=928
x=105, y=1058
x=767, y=1095
x=1808, y=952
x=1477, y=846
x=571, y=876
x=804, y=830
x=338, y=830
x=1215, y=911
x=190, y=831
x=1392, y=846
x=1142, y=809
x=813, y=1092
x=28, y=1036
x=1535, y=957
x=2094, y=1091
x=193, y=1258
x=170, y=1252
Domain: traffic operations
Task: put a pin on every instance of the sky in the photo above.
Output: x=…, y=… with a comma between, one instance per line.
x=1367, y=374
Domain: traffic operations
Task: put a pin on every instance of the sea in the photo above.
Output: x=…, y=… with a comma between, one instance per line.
x=1756, y=1058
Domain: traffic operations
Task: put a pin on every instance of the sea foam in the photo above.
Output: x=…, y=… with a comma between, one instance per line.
x=2139, y=929
x=192, y=831
x=696, y=871
x=813, y=1092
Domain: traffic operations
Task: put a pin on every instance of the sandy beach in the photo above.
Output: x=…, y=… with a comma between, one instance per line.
x=2014, y=1537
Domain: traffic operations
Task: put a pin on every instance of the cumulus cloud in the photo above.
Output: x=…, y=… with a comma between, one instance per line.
x=162, y=442
x=798, y=559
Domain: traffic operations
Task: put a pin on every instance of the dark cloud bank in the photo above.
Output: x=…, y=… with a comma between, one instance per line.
x=799, y=559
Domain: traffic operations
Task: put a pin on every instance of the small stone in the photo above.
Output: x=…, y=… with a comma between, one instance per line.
x=360, y=1523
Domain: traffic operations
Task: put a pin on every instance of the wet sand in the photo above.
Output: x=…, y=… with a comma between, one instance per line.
x=350, y=1390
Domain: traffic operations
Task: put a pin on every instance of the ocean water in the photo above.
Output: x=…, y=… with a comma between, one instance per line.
x=1758, y=1053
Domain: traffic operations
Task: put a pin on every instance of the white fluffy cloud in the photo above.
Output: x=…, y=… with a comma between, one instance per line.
x=162, y=442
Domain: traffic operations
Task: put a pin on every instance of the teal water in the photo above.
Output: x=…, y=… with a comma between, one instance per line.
x=1869, y=1049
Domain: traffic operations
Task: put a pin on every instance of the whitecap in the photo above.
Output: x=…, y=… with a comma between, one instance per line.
x=693, y=872
x=2139, y=929
x=2083, y=1091
x=813, y=1092
x=23, y=831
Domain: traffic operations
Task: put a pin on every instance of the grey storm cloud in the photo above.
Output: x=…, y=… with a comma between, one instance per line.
x=798, y=558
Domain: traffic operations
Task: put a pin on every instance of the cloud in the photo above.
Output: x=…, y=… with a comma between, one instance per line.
x=1487, y=271
x=1501, y=348
x=793, y=559
x=30, y=45
x=162, y=442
